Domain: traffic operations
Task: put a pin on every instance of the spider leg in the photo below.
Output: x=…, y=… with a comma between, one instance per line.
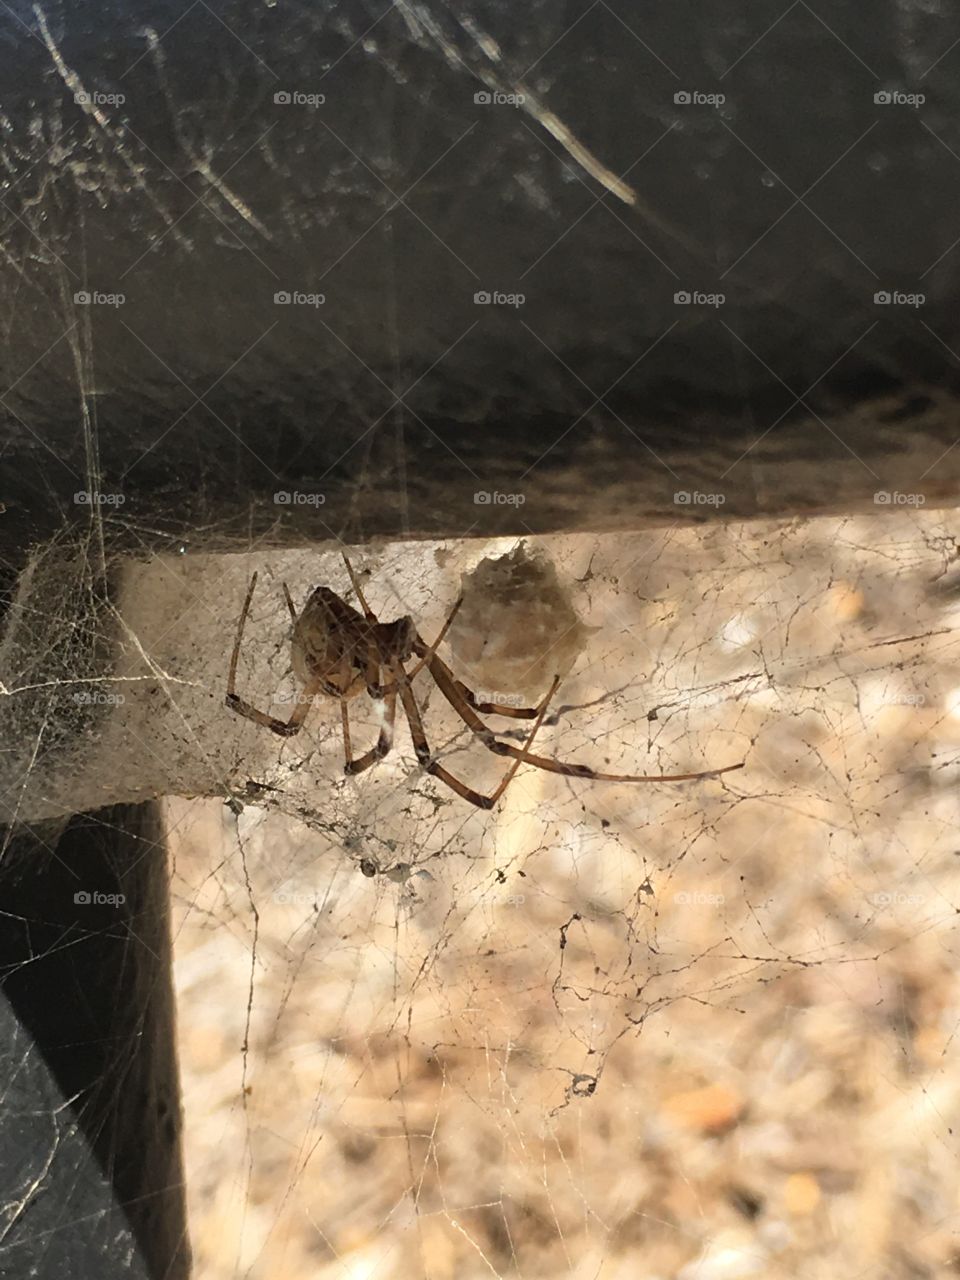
x=447, y=684
x=486, y=708
x=375, y=690
x=235, y=656
x=367, y=611
x=425, y=755
x=425, y=651
x=290, y=604
x=284, y=728
x=495, y=708
x=383, y=744
x=378, y=691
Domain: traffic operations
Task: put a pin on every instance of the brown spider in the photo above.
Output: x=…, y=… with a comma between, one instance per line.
x=339, y=652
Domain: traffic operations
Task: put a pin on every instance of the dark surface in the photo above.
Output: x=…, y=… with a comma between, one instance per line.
x=198, y=198
x=90, y=1123
x=61, y=1220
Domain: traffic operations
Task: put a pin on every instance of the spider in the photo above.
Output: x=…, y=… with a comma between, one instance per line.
x=341, y=653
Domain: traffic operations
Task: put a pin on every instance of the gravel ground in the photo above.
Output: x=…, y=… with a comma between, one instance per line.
x=700, y=1031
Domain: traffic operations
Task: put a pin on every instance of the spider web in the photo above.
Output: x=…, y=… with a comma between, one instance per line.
x=605, y=1024
x=700, y=1031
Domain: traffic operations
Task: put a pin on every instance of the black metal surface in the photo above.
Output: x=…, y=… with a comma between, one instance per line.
x=199, y=197
x=90, y=1164
x=61, y=1219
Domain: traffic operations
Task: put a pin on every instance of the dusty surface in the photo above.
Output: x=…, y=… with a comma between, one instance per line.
x=704, y=1031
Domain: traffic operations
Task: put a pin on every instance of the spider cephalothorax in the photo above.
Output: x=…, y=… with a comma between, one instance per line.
x=334, y=643
x=340, y=652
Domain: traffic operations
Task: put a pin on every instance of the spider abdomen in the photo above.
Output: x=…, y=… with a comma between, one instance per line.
x=329, y=643
x=335, y=644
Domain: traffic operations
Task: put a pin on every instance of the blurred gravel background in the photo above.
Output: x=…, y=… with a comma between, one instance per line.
x=696, y=1032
